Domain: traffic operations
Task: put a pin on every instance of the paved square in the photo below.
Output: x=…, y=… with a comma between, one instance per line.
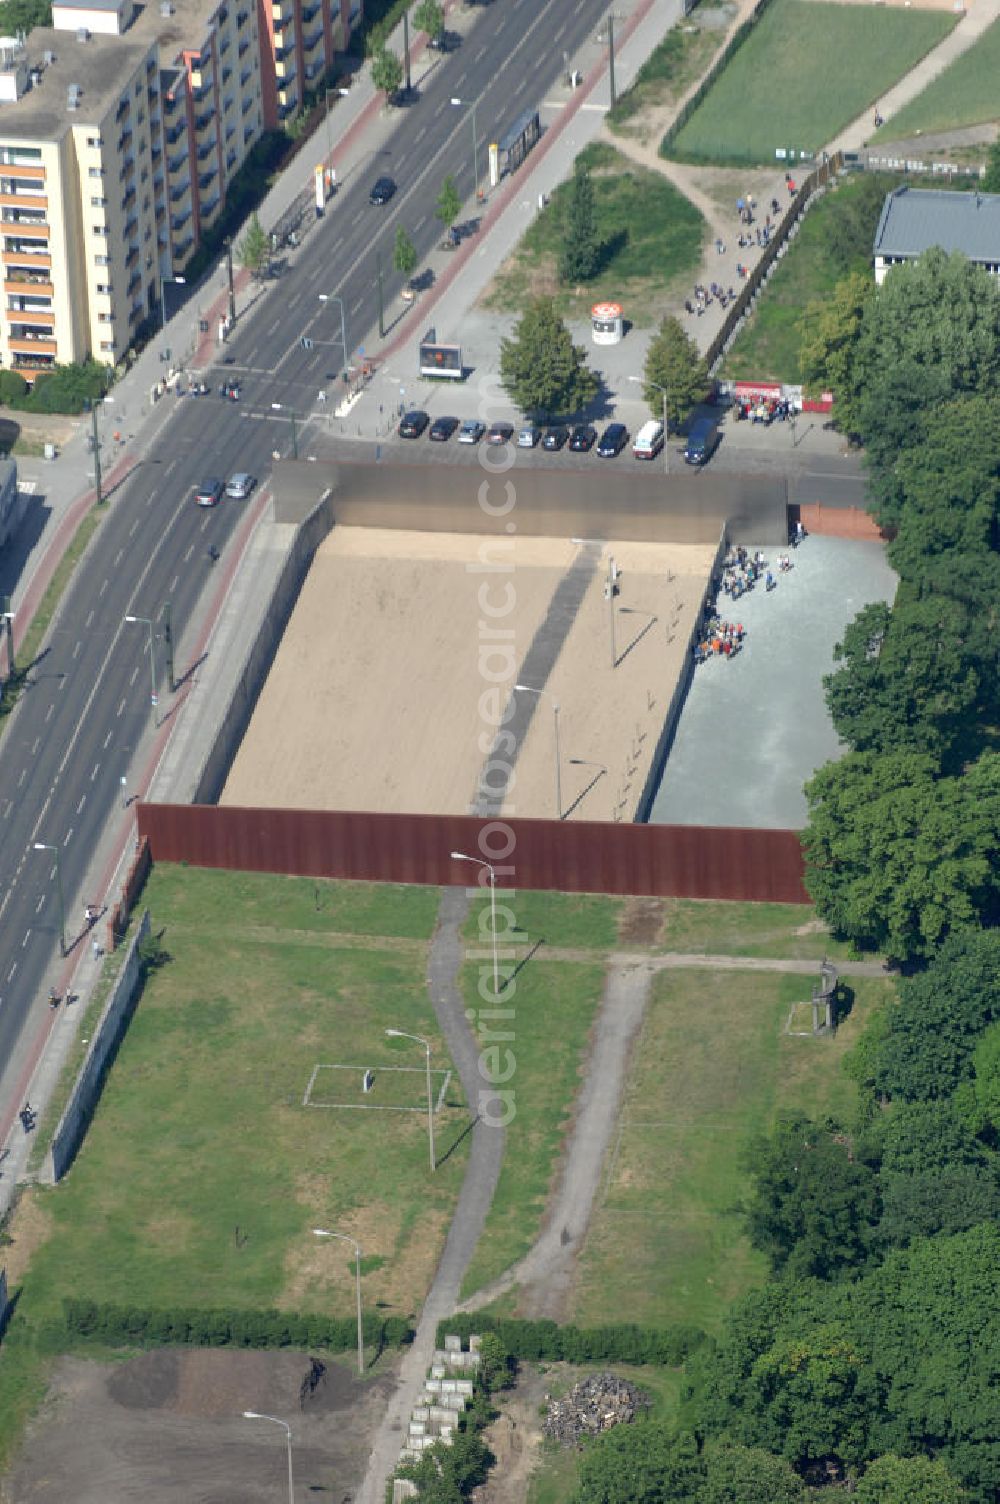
x=755, y=727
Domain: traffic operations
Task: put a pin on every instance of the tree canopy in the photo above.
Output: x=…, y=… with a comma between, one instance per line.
x=812, y=1209
x=645, y=1463
x=674, y=365
x=580, y=251
x=387, y=72
x=898, y=857
x=541, y=369
x=908, y=1480
x=830, y=329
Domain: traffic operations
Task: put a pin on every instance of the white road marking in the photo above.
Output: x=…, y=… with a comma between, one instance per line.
x=10, y=974
x=69, y=836
x=83, y=800
x=39, y=906
x=24, y=774
x=135, y=674
x=77, y=648
x=107, y=738
x=131, y=531
x=482, y=51
x=173, y=583
x=189, y=553
x=97, y=769
x=121, y=708
x=27, y=937
x=90, y=617
x=357, y=305
x=48, y=713
x=103, y=588
x=274, y=326
x=35, y=745
x=118, y=557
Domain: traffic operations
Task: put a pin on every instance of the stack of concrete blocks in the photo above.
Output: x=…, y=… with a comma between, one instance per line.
x=447, y=1392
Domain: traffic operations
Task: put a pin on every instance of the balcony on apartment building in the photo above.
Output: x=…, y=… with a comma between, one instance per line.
x=206, y=150
x=178, y=221
x=31, y=327
x=203, y=120
x=33, y=365
x=247, y=105
x=32, y=345
x=206, y=179
x=15, y=188
x=16, y=280
x=181, y=190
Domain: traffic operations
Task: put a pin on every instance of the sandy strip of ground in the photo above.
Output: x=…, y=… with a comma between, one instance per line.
x=375, y=697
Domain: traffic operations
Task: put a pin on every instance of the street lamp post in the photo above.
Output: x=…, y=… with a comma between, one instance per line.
x=228, y=243
x=611, y=590
x=544, y=693
x=460, y=856
x=45, y=846
x=419, y=1039
x=324, y=1232
x=8, y=623
x=145, y=621
x=180, y=281
x=328, y=297
x=458, y=103
x=381, y=294
x=257, y=1415
x=663, y=393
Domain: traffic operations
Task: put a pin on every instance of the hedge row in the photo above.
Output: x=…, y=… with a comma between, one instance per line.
x=228, y=1328
x=667, y=1346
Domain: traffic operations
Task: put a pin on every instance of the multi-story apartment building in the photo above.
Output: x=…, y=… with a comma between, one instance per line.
x=120, y=132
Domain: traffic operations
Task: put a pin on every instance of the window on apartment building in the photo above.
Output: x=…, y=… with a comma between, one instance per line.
x=108, y=346
x=98, y=203
x=100, y=230
x=102, y=260
x=94, y=141
x=96, y=172
x=102, y=287
x=105, y=318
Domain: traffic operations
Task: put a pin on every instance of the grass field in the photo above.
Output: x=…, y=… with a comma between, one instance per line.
x=804, y=72
x=203, y=1172
x=554, y=1004
x=712, y=1069
x=562, y=920
x=653, y=234
x=747, y=929
x=964, y=94
x=768, y=346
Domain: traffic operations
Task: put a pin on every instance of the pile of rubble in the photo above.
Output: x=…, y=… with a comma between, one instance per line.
x=595, y=1404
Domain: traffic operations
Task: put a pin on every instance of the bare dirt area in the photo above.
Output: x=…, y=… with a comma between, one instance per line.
x=168, y=1426
x=386, y=666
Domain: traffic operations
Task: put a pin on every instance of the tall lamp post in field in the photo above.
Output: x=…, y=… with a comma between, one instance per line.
x=325, y=1232
x=460, y=856
x=419, y=1039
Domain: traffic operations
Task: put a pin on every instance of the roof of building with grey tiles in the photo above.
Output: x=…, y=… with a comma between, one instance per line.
x=915, y=219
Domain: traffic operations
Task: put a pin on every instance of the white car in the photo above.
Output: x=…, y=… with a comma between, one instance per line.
x=529, y=436
x=240, y=485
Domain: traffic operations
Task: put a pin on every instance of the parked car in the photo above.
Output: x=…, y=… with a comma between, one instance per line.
x=555, y=436
x=500, y=433
x=230, y=390
x=412, y=424
x=471, y=431
x=382, y=191
x=240, y=485
x=703, y=437
x=209, y=493
x=528, y=436
x=648, y=441
x=612, y=441
x=442, y=429
x=581, y=440
x=444, y=41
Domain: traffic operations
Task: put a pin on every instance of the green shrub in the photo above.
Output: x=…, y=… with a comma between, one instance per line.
x=136, y=1325
x=536, y=1341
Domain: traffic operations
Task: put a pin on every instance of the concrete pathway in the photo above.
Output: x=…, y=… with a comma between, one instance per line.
x=545, y=1272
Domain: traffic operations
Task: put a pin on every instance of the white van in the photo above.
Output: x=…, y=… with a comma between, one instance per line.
x=648, y=441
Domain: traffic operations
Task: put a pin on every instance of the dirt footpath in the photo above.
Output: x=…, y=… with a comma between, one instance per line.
x=376, y=697
x=167, y=1427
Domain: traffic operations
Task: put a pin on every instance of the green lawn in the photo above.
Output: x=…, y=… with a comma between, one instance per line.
x=653, y=235
x=834, y=238
x=964, y=94
x=747, y=929
x=568, y=921
x=711, y=1070
x=554, y=1004
x=805, y=71
x=203, y=1171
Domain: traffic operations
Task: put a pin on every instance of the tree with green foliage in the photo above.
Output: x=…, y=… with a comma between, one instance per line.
x=495, y=1363
x=907, y=680
x=541, y=369
x=812, y=1208
x=935, y=1175
x=13, y=388
x=930, y=333
x=980, y=1098
x=645, y=1463
x=387, y=72
x=991, y=181
x=253, y=250
x=830, y=328
x=448, y=202
x=898, y=857
x=580, y=251
x=927, y=1047
x=68, y=388
x=24, y=15
x=908, y=1480
x=674, y=363
x=429, y=17
x=747, y=1475
x=948, y=517
x=404, y=252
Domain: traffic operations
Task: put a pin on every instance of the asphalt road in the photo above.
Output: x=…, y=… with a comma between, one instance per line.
x=87, y=706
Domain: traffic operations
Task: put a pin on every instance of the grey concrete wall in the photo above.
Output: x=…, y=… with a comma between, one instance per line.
x=594, y=501
x=316, y=522
x=673, y=715
x=86, y=1091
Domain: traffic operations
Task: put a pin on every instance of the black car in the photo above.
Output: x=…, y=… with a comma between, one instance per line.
x=612, y=441
x=582, y=438
x=382, y=191
x=412, y=424
x=555, y=437
x=444, y=41
x=442, y=429
x=499, y=433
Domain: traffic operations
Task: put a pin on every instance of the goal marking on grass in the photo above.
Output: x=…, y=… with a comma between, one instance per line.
x=393, y=1083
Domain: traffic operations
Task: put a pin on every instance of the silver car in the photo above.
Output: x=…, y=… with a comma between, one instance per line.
x=240, y=485
x=529, y=436
x=471, y=431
